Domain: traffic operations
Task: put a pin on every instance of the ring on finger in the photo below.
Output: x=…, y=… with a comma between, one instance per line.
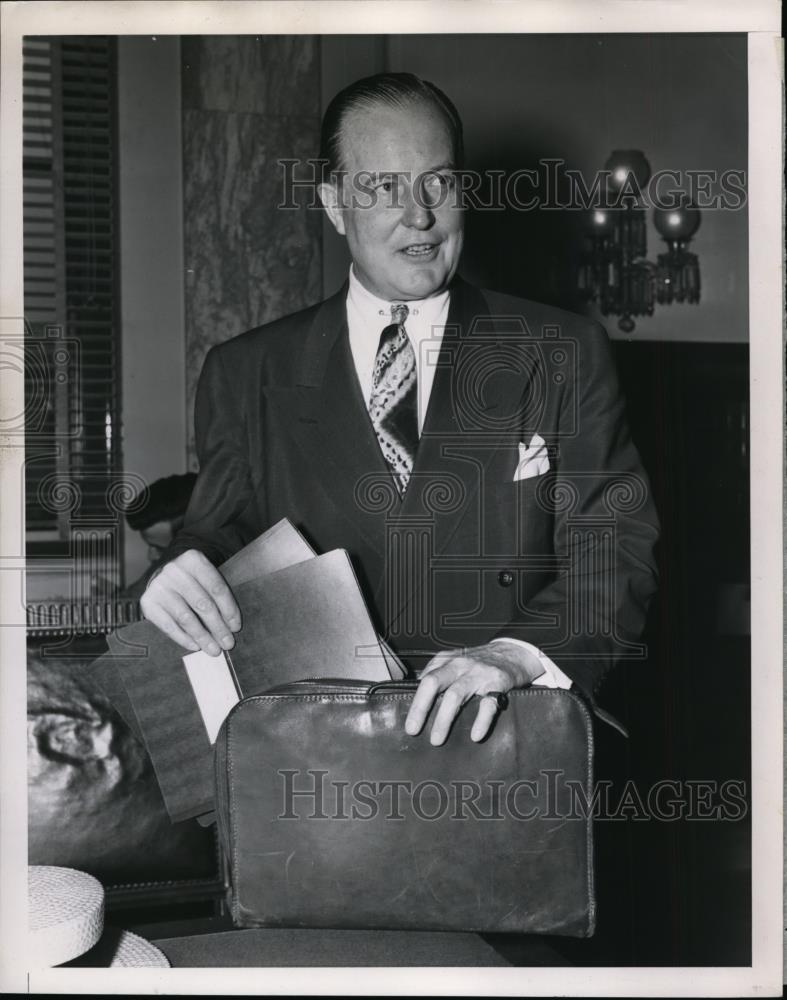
x=500, y=698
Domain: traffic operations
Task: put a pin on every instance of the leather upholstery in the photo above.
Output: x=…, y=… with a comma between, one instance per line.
x=93, y=800
x=355, y=858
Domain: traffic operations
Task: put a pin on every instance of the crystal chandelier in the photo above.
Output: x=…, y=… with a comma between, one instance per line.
x=614, y=271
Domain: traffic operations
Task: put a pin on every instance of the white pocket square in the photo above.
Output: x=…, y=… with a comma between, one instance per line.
x=533, y=459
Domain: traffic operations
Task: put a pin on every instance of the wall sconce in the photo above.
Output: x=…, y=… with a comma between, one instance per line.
x=614, y=271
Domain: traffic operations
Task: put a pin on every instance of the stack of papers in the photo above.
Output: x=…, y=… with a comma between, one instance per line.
x=303, y=616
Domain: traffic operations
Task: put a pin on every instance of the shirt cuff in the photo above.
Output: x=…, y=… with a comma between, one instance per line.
x=553, y=676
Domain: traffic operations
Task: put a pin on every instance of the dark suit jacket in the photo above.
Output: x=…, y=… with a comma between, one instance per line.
x=563, y=560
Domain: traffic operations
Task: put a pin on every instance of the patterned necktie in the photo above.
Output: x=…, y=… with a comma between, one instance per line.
x=393, y=406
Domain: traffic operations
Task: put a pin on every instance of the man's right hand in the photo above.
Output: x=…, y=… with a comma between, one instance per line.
x=190, y=601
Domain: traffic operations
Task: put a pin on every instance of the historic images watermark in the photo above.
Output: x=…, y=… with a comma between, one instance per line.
x=316, y=794
x=551, y=185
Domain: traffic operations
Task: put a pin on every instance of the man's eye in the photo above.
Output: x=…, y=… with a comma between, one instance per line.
x=437, y=188
x=386, y=186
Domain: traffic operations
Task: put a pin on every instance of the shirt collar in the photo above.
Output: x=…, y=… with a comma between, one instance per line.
x=374, y=308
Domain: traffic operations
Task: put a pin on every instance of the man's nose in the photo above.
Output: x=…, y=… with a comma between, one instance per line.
x=417, y=214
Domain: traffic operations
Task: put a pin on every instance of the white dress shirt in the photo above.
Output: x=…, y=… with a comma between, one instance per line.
x=367, y=316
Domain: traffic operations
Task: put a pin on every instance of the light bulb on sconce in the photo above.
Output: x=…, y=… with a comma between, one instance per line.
x=601, y=223
x=677, y=270
x=679, y=223
x=627, y=168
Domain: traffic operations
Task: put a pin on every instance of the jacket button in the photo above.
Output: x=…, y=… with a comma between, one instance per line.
x=505, y=578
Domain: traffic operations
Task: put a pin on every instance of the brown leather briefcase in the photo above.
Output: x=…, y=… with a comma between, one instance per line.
x=332, y=816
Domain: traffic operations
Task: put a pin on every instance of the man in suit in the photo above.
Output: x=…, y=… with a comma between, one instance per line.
x=469, y=449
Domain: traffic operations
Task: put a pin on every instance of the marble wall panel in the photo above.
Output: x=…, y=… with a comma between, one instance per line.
x=268, y=75
x=246, y=105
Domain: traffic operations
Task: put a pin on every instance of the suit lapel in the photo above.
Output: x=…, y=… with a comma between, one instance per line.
x=458, y=441
x=327, y=415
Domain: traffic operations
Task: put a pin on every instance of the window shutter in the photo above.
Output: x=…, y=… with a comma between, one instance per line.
x=46, y=394
x=71, y=301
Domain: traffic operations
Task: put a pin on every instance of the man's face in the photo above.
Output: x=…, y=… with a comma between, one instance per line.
x=396, y=204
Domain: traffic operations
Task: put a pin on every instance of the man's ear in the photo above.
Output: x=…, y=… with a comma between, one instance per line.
x=329, y=196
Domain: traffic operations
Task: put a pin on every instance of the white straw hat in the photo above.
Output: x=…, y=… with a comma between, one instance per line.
x=66, y=917
x=120, y=949
x=66, y=913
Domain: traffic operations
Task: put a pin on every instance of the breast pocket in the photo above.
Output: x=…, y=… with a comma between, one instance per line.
x=519, y=491
x=518, y=518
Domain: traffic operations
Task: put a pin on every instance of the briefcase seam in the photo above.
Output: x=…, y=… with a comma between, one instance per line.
x=234, y=875
x=363, y=696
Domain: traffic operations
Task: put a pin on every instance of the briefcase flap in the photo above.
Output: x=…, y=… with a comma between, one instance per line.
x=332, y=816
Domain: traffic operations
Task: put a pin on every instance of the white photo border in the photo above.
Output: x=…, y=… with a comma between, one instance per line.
x=760, y=20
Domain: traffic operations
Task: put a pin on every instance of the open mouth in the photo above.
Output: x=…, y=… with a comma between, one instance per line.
x=420, y=251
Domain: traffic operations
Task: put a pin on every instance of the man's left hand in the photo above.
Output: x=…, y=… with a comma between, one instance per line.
x=460, y=674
